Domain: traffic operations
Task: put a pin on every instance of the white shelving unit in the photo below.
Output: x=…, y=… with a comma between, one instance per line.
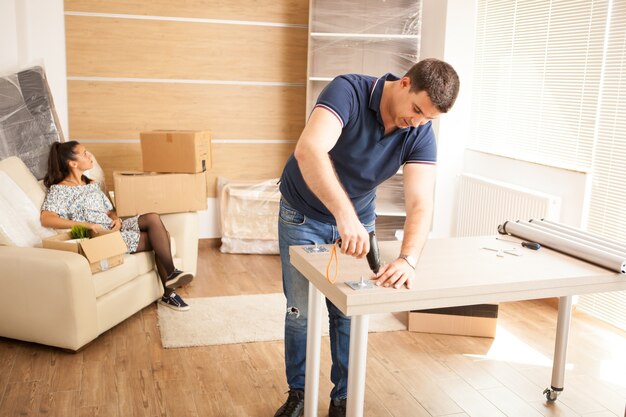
x=370, y=37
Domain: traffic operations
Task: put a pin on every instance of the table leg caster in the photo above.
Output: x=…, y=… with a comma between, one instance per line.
x=552, y=394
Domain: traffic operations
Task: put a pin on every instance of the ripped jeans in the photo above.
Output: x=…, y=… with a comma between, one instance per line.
x=294, y=228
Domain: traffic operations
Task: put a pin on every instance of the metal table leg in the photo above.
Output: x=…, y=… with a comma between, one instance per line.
x=313, y=346
x=357, y=366
x=560, y=348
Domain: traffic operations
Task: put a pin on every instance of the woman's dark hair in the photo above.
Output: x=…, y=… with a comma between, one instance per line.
x=61, y=153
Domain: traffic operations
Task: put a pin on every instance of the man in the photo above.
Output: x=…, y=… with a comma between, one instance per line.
x=361, y=131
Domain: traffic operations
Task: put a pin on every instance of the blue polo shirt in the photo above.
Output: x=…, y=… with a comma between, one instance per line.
x=363, y=156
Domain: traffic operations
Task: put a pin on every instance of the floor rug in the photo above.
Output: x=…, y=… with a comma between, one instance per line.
x=242, y=319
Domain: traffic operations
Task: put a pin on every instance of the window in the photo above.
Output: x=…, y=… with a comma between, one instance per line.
x=550, y=87
x=607, y=211
x=537, y=78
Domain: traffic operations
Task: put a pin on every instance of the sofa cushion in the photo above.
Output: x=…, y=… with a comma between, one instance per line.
x=17, y=170
x=105, y=281
x=19, y=218
x=134, y=265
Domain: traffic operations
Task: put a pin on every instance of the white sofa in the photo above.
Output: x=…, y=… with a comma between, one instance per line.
x=51, y=297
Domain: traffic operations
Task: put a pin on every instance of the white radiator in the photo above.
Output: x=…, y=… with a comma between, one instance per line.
x=483, y=204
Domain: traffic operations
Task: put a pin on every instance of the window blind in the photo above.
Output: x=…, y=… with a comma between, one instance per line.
x=537, y=78
x=550, y=87
x=607, y=211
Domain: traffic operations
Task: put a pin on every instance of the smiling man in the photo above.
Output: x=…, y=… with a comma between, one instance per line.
x=361, y=131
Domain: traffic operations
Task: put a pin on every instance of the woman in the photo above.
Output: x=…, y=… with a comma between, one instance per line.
x=74, y=199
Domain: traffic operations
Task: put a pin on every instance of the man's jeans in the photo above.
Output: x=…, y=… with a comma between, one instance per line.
x=294, y=228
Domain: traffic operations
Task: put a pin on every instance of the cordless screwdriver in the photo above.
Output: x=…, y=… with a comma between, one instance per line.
x=373, y=256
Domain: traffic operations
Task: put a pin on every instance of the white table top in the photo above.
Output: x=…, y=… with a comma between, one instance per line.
x=456, y=271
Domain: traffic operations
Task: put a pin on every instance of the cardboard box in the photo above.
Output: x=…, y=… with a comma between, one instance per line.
x=176, y=151
x=103, y=251
x=475, y=320
x=145, y=192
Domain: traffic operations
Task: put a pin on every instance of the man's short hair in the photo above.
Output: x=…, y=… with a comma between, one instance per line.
x=438, y=79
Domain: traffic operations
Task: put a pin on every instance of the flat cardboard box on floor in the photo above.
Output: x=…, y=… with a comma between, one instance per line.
x=475, y=320
x=176, y=151
x=103, y=251
x=149, y=192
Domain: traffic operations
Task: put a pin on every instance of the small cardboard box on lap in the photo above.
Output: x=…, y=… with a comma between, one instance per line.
x=149, y=192
x=103, y=251
x=182, y=151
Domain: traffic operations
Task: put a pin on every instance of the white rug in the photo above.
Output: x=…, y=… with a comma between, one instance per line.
x=241, y=319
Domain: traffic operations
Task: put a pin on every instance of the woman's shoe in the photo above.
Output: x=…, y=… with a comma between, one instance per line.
x=174, y=301
x=178, y=279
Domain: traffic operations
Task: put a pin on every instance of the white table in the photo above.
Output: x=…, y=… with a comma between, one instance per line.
x=451, y=272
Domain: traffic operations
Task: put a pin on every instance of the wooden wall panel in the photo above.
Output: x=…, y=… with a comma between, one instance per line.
x=111, y=47
x=285, y=11
x=221, y=56
x=116, y=157
x=248, y=161
x=234, y=161
x=118, y=110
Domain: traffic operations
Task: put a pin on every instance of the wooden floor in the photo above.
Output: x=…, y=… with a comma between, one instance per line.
x=126, y=372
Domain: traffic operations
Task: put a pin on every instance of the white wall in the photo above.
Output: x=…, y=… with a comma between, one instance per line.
x=448, y=34
x=32, y=32
x=8, y=36
x=209, y=220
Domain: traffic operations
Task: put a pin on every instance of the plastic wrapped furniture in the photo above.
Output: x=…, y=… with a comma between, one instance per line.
x=249, y=216
x=28, y=120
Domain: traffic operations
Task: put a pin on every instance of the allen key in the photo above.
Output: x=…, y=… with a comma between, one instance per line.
x=501, y=252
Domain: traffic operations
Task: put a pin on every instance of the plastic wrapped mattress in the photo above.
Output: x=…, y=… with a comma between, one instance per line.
x=28, y=120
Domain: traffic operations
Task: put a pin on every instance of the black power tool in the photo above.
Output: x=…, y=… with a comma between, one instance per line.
x=373, y=256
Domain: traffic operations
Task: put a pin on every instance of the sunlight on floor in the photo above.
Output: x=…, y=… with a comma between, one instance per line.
x=508, y=348
x=614, y=371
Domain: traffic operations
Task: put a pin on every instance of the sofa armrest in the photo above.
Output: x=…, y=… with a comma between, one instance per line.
x=183, y=227
x=54, y=302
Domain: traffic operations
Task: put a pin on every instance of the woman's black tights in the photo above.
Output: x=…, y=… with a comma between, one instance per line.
x=155, y=237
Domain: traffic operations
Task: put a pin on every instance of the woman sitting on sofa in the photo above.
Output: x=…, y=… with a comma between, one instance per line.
x=74, y=199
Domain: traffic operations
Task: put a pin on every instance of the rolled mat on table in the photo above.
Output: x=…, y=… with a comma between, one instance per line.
x=592, y=248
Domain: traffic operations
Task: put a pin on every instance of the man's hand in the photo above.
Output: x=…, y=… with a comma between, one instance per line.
x=396, y=274
x=355, y=241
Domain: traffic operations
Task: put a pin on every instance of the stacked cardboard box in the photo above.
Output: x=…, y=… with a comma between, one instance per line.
x=173, y=178
x=149, y=192
x=176, y=151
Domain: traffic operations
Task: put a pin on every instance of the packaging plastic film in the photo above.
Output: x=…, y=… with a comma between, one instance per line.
x=390, y=208
x=569, y=244
x=249, y=216
x=371, y=37
x=28, y=121
x=395, y=17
